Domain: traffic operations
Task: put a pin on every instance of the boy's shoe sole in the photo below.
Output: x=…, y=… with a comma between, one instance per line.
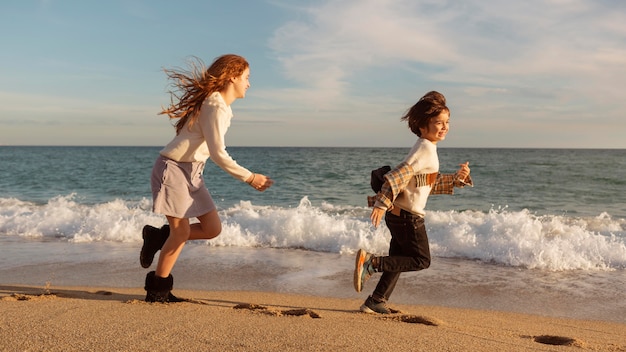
x=358, y=269
x=366, y=309
x=376, y=308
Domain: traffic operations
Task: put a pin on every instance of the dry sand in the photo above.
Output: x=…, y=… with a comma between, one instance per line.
x=117, y=319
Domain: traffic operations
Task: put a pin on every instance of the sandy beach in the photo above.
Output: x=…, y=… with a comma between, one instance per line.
x=117, y=319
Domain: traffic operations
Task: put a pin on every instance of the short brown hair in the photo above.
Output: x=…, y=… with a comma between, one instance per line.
x=430, y=105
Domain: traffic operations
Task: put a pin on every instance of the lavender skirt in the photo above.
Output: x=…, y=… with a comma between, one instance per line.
x=178, y=189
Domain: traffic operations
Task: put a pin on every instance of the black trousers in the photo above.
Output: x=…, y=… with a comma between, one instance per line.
x=408, y=251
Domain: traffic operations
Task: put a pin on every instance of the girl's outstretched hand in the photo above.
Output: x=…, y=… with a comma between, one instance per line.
x=260, y=182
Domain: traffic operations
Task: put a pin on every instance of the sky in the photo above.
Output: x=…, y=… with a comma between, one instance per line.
x=516, y=74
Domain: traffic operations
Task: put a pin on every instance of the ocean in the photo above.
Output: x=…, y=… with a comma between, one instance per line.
x=543, y=231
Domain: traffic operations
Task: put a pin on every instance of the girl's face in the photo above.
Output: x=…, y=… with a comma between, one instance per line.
x=241, y=84
x=437, y=128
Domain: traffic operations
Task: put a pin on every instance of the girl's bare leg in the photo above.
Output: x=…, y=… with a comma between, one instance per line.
x=180, y=232
x=209, y=227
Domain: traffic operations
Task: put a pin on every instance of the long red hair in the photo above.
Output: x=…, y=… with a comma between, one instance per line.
x=192, y=86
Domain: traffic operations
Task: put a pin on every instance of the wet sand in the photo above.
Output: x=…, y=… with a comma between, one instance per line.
x=454, y=283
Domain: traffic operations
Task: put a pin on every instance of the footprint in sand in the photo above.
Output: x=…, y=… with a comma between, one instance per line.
x=104, y=293
x=289, y=312
x=24, y=297
x=414, y=319
x=410, y=319
x=557, y=340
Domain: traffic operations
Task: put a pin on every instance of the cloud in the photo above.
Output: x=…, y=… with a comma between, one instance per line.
x=533, y=61
x=486, y=42
x=338, y=39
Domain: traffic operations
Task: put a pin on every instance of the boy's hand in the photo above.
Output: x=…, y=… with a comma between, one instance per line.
x=464, y=171
x=377, y=215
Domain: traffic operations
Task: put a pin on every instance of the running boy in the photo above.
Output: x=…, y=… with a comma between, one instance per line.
x=402, y=200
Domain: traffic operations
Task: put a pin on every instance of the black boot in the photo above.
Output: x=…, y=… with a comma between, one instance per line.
x=153, y=240
x=158, y=289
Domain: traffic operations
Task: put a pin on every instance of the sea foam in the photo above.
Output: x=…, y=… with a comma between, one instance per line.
x=512, y=238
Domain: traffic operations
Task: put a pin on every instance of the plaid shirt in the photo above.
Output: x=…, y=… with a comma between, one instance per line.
x=397, y=180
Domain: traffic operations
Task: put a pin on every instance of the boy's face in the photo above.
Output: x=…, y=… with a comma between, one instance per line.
x=437, y=128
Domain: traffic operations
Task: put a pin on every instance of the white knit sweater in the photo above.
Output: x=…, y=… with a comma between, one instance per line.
x=205, y=139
